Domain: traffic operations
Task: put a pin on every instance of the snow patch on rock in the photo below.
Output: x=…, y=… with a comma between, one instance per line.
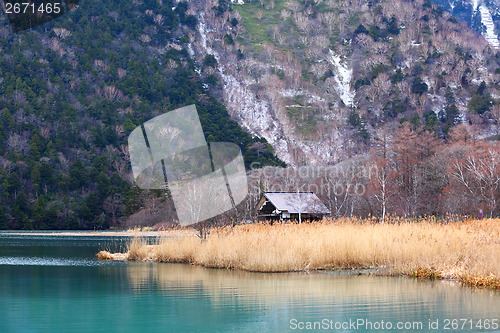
x=252, y=113
x=475, y=4
x=259, y=116
x=487, y=21
x=343, y=77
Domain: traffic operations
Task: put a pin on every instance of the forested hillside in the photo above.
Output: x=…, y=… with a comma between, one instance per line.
x=482, y=15
x=70, y=93
x=319, y=78
x=316, y=81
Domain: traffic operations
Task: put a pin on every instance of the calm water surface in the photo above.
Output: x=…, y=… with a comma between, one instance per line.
x=55, y=284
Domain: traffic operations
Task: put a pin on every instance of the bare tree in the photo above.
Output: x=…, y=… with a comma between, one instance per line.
x=259, y=14
x=381, y=174
x=114, y=205
x=479, y=173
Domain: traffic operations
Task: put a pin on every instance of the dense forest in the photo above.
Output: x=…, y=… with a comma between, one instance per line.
x=72, y=90
x=316, y=82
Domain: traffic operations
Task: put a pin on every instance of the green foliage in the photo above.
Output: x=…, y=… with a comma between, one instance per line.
x=394, y=107
x=360, y=30
x=279, y=72
x=375, y=32
x=211, y=80
x=4, y=220
x=479, y=104
x=398, y=76
x=188, y=20
x=377, y=70
x=304, y=119
x=222, y=7
x=356, y=122
x=392, y=26
x=354, y=119
x=452, y=113
x=431, y=121
x=449, y=118
x=210, y=61
x=257, y=32
x=35, y=144
x=418, y=86
x=361, y=82
x=228, y=39
x=70, y=159
x=414, y=120
x=481, y=89
x=450, y=98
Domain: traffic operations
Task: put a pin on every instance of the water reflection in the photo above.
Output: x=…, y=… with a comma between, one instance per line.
x=55, y=283
x=313, y=297
x=37, y=261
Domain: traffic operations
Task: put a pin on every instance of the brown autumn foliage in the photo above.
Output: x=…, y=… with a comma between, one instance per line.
x=409, y=172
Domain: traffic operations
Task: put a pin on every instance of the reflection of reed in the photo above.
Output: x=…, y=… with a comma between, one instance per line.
x=399, y=294
x=466, y=251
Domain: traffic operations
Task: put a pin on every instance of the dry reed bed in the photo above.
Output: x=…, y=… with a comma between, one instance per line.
x=467, y=251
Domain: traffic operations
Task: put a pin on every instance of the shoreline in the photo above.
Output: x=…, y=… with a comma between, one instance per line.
x=464, y=251
x=111, y=233
x=355, y=271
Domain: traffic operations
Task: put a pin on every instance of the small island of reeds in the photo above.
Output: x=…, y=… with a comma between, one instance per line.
x=467, y=251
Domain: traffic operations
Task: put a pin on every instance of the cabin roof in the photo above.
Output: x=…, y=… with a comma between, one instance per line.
x=296, y=202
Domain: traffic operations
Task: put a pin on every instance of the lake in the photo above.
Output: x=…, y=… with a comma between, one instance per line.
x=55, y=284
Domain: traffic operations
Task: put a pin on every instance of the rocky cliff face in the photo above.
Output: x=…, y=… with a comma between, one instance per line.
x=318, y=79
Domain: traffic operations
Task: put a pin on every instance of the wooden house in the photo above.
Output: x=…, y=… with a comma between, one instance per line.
x=291, y=206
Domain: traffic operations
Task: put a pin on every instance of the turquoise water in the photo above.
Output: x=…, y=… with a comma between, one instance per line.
x=55, y=284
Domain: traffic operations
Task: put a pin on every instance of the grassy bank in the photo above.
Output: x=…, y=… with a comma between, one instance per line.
x=467, y=251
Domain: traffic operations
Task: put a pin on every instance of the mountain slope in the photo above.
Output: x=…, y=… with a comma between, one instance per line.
x=318, y=79
x=481, y=15
x=71, y=92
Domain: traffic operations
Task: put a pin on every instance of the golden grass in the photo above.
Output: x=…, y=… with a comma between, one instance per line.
x=140, y=229
x=467, y=251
